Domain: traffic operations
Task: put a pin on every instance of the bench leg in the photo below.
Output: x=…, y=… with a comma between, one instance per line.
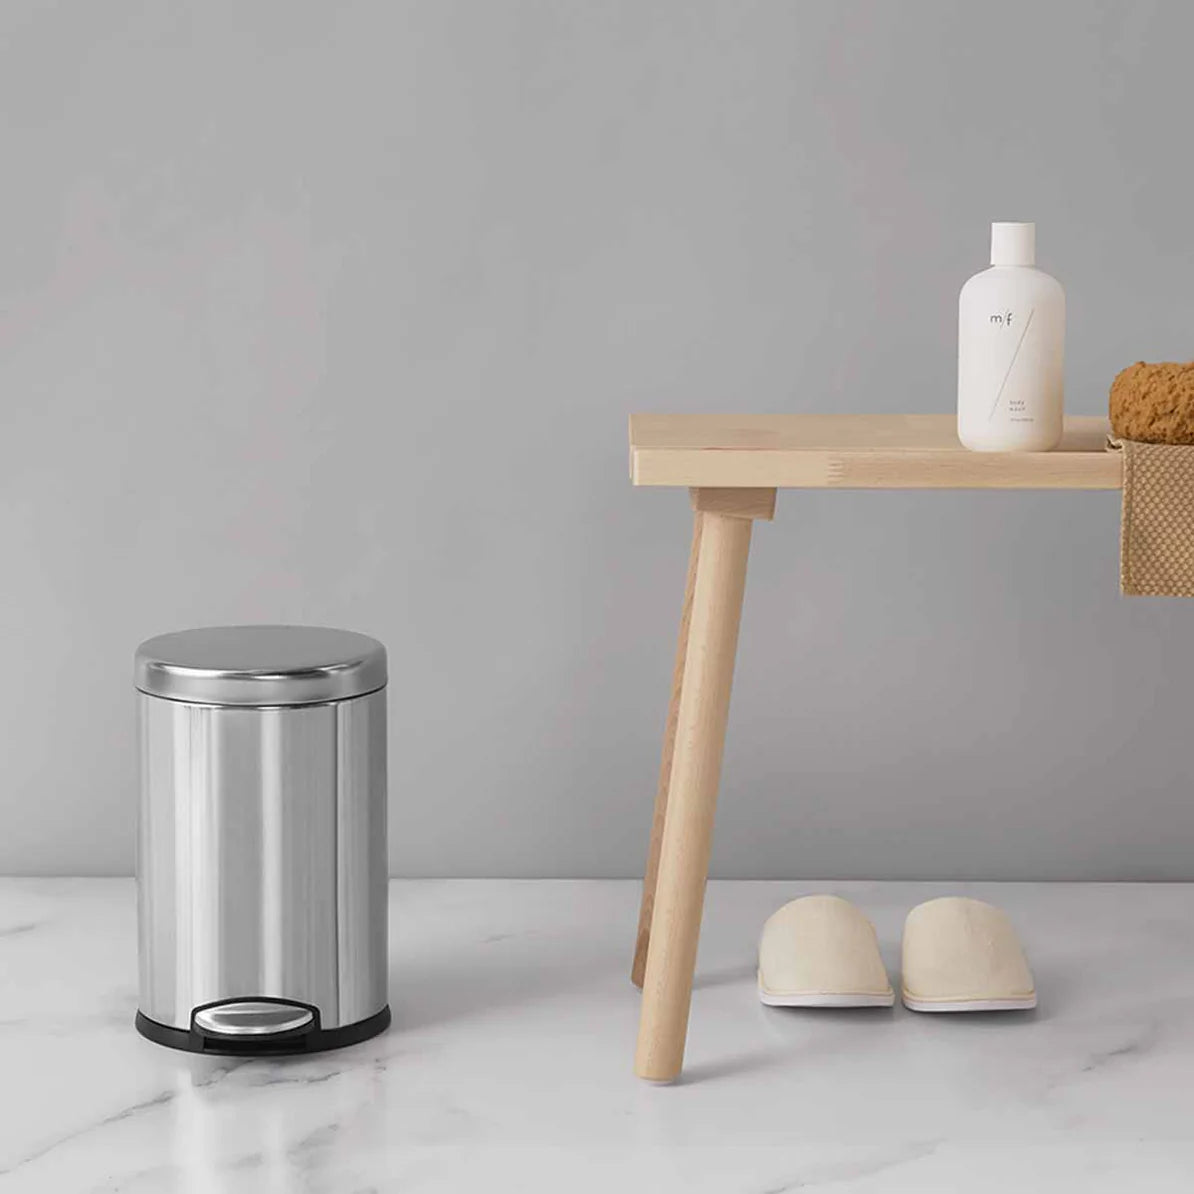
x=651, y=876
x=720, y=580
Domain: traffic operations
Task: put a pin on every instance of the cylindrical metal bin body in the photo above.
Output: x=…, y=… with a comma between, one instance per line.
x=262, y=846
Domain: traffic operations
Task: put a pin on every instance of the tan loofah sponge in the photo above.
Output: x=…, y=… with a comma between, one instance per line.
x=1154, y=404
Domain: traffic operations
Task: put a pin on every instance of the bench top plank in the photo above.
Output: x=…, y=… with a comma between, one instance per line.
x=807, y=451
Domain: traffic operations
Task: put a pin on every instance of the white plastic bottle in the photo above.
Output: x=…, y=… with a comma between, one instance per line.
x=1011, y=350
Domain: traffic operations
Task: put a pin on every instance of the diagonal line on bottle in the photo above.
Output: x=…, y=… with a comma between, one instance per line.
x=1011, y=363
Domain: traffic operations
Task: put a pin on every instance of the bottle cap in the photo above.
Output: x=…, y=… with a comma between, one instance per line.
x=1013, y=244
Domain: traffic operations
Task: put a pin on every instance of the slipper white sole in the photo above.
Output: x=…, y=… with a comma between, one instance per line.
x=962, y=955
x=969, y=1005
x=814, y=999
x=821, y=951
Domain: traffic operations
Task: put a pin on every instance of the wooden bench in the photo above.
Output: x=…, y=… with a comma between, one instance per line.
x=733, y=465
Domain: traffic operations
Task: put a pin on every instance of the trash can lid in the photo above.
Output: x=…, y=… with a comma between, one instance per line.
x=260, y=665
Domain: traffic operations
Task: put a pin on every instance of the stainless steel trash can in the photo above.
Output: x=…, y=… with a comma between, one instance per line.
x=261, y=869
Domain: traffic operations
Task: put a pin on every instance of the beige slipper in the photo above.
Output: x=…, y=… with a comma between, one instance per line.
x=961, y=955
x=820, y=951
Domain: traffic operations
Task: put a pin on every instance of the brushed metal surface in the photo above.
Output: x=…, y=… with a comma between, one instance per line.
x=262, y=857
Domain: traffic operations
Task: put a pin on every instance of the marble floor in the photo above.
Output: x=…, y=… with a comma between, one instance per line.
x=509, y=1063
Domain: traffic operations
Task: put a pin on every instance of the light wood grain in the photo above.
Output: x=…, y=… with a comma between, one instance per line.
x=692, y=795
x=857, y=452
x=739, y=503
x=651, y=875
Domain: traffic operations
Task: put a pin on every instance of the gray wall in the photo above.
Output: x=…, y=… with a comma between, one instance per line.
x=334, y=313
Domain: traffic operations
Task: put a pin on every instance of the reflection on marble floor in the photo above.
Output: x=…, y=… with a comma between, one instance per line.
x=508, y=1066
